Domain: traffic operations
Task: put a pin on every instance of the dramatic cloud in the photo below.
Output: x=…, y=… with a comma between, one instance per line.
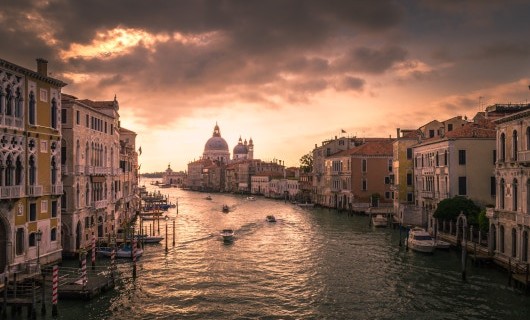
x=300, y=68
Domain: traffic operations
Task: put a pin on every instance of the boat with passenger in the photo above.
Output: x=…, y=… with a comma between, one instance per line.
x=228, y=235
x=208, y=197
x=306, y=205
x=250, y=198
x=420, y=240
x=270, y=218
x=225, y=208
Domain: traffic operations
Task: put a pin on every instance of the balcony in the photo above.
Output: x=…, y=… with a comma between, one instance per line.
x=11, y=192
x=78, y=169
x=101, y=171
x=34, y=191
x=101, y=204
x=524, y=156
x=89, y=170
x=57, y=189
x=64, y=170
x=427, y=171
x=523, y=219
x=427, y=194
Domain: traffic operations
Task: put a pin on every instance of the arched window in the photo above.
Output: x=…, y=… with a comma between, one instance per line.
x=32, y=109
x=10, y=168
x=53, y=171
x=501, y=194
x=501, y=239
x=87, y=195
x=63, y=200
x=32, y=171
x=515, y=195
x=77, y=153
x=77, y=197
x=527, y=138
x=32, y=241
x=18, y=172
x=2, y=103
x=2, y=169
x=54, y=113
x=515, y=143
x=63, y=152
x=9, y=101
x=18, y=104
x=514, y=242
x=502, y=147
x=437, y=159
x=100, y=227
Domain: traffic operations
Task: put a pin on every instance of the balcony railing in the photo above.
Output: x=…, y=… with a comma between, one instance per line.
x=64, y=169
x=57, y=189
x=11, y=192
x=101, y=204
x=79, y=169
x=101, y=170
x=34, y=191
x=427, y=194
x=523, y=156
x=89, y=170
x=523, y=219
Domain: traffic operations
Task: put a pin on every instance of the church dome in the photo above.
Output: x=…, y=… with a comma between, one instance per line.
x=240, y=149
x=216, y=142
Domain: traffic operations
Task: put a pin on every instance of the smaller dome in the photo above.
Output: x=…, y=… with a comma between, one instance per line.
x=240, y=149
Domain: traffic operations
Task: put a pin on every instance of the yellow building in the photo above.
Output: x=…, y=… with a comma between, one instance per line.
x=30, y=167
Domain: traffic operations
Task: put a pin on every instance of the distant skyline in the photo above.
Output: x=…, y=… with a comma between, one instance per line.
x=288, y=74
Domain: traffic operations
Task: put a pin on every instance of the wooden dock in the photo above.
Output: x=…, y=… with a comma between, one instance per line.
x=95, y=285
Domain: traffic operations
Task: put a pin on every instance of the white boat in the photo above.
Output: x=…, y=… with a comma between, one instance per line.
x=148, y=239
x=306, y=205
x=270, y=218
x=379, y=220
x=228, y=235
x=208, y=197
x=440, y=244
x=420, y=240
x=123, y=251
x=251, y=198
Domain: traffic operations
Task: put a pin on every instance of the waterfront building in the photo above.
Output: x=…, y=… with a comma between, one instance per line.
x=195, y=174
x=338, y=187
x=92, y=186
x=306, y=187
x=509, y=219
x=30, y=170
x=244, y=150
x=173, y=178
x=128, y=204
x=457, y=162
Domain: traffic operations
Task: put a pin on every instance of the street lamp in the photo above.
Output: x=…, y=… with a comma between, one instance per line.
x=38, y=237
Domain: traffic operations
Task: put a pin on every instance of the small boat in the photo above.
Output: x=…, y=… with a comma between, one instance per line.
x=379, y=220
x=228, y=235
x=208, y=197
x=225, y=208
x=123, y=251
x=420, y=240
x=270, y=218
x=251, y=198
x=306, y=205
x=440, y=244
x=148, y=239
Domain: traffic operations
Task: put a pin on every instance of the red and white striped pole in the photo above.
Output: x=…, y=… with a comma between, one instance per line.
x=55, y=284
x=83, y=271
x=93, y=252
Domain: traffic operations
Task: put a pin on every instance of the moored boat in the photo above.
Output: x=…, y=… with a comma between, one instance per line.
x=225, y=208
x=379, y=220
x=270, y=218
x=228, y=235
x=251, y=198
x=420, y=240
x=123, y=251
x=208, y=197
x=306, y=205
x=440, y=244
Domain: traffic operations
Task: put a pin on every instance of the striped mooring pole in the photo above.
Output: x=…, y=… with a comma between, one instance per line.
x=134, y=256
x=83, y=270
x=55, y=284
x=93, y=252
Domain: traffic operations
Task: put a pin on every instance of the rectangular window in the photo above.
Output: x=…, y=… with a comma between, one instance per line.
x=43, y=95
x=87, y=121
x=494, y=156
x=54, y=209
x=462, y=157
x=389, y=165
x=32, y=212
x=387, y=180
x=431, y=133
x=77, y=117
x=44, y=146
x=387, y=195
x=63, y=115
x=409, y=153
x=364, y=187
x=410, y=197
x=19, y=246
x=493, y=188
x=409, y=179
x=44, y=206
x=462, y=186
x=450, y=127
x=364, y=165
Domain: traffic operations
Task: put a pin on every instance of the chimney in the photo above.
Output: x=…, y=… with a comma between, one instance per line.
x=398, y=132
x=42, y=67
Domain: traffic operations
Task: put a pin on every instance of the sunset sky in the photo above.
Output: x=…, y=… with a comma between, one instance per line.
x=288, y=74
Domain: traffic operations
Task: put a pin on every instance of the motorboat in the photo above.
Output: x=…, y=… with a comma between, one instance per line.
x=148, y=239
x=306, y=205
x=379, y=220
x=226, y=209
x=440, y=244
x=251, y=198
x=123, y=251
x=208, y=197
x=270, y=218
x=420, y=240
x=228, y=235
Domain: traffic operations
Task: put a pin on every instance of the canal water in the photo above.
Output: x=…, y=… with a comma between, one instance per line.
x=311, y=264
